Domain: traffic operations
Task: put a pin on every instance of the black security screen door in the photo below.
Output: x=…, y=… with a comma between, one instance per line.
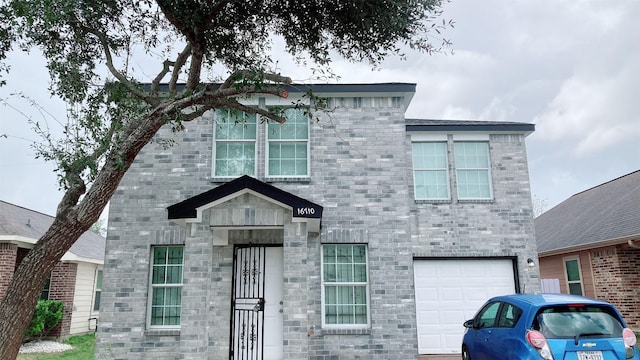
x=247, y=303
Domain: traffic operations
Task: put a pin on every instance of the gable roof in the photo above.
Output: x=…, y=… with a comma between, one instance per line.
x=468, y=125
x=191, y=208
x=19, y=224
x=605, y=214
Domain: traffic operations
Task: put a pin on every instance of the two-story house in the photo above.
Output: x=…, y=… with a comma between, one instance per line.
x=362, y=235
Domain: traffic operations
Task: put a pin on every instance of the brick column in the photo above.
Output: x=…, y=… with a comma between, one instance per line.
x=194, y=329
x=295, y=291
x=63, y=283
x=8, y=254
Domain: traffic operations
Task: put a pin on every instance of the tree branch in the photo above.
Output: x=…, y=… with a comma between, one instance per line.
x=248, y=74
x=177, y=66
x=123, y=79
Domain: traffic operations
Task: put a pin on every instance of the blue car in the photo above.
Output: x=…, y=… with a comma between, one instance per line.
x=548, y=327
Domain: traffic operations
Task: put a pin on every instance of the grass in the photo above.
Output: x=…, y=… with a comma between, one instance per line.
x=84, y=347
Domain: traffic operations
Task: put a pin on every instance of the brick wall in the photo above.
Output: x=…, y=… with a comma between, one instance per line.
x=616, y=274
x=361, y=175
x=8, y=254
x=63, y=281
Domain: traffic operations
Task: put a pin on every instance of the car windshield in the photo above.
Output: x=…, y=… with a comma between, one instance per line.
x=574, y=321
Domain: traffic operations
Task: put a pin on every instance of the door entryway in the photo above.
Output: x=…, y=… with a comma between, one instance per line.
x=256, y=304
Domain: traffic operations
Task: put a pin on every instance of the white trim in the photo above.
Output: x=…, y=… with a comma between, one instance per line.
x=21, y=241
x=427, y=137
x=566, y=274
x=29, y=243
x=462, y=136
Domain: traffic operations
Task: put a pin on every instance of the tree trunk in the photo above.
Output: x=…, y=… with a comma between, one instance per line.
x=73, y=218
x=22, y=295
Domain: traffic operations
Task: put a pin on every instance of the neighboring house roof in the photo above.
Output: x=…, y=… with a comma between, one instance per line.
x=18, y=224
x=468, y=125
x=603, y=215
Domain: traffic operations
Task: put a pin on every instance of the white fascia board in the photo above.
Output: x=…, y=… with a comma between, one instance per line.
x=21, y=241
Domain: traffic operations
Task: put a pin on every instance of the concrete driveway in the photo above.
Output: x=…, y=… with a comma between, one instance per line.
x=440, y=357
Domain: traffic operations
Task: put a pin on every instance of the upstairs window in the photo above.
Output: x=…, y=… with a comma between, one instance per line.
x=472, y=170
x=235, y=143
x=166, y=286
x=288, y=145
x=241, y=143
x=430, y=170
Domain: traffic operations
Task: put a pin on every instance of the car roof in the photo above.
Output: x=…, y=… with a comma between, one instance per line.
x=548, y=299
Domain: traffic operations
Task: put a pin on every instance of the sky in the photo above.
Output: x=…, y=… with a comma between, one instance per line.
x=571, y=67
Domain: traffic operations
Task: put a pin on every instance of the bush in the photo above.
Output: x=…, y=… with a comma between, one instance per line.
x=47, y=315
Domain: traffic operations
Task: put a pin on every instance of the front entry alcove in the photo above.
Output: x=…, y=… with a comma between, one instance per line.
x=238, y=290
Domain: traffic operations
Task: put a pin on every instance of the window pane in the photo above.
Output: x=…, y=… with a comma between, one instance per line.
x=99, y=280
x=235, y=125
x=159, y=255
x=575, y=289
x=430, y=170
x=573, y=271
x=472, y=170
x=288, y=159
x=96, y=301
x=158, y=276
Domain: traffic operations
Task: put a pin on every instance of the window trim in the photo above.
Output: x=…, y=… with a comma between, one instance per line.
x=99, y=273
x=446, y=170
x=152, y=286
x=267, y=142
x=487, y=169
x=324, y=284
x=566, y=274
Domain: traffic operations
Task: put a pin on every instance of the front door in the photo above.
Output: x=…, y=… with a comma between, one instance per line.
x=256, y=304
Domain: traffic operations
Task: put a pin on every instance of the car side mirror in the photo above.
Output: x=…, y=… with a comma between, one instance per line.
x=468, y=324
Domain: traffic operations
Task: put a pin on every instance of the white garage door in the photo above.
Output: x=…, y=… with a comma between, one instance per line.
x=449, y=292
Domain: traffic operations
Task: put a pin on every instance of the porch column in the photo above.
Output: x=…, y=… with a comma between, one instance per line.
x=296, y=288
x=194, y=329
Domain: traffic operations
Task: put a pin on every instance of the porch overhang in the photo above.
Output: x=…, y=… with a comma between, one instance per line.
x=191, y=210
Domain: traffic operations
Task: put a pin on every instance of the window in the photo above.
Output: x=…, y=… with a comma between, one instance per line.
x=574, y=281
x=98, y=292
x=345, y=286
x=487, y=316
x=430, y=170
x=509, y=316
x=44, y=294
x=288, y=145
x=472, y=170
x=235, y=143
x=166, y=286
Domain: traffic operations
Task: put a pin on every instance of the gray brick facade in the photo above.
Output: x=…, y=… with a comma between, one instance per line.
x=361, y=174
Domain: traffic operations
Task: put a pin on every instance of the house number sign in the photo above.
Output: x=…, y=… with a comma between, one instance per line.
x=305, y=211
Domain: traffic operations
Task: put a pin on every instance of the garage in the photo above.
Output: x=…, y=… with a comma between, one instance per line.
x=449, y=292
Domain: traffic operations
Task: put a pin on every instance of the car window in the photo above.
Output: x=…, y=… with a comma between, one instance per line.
x=487, y=316
x=570, y=321
x=509, y=316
